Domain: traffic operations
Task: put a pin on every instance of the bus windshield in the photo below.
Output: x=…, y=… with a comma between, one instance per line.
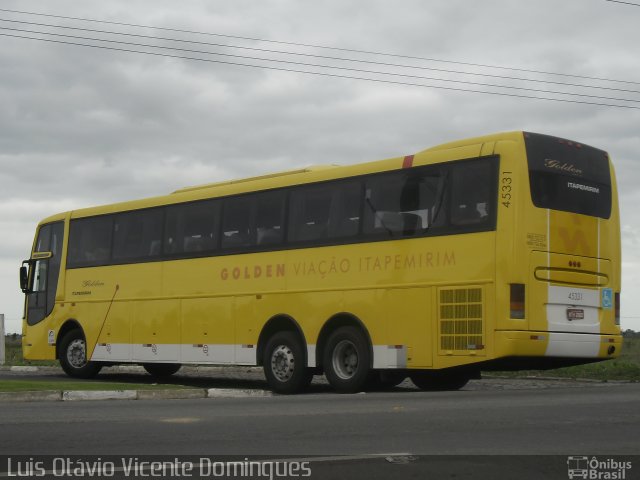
x=568, y=176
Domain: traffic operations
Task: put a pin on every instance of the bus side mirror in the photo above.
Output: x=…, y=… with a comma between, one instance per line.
x=24, y=279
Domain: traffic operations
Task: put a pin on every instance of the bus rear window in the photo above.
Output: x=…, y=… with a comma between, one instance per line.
x=568, y=176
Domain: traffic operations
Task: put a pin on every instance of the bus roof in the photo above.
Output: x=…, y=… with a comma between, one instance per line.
x=313, y=168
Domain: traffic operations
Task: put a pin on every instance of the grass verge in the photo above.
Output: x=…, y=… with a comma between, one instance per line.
x=20, y=385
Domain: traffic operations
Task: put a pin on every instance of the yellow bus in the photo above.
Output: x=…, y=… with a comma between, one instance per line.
x=497, y=252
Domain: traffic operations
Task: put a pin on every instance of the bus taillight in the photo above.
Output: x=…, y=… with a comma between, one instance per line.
x=517, y=300
x=617, y=307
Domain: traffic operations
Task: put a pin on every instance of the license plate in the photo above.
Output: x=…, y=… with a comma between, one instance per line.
x=575, y=314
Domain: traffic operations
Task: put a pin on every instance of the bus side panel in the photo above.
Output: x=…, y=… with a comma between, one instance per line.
x=409, y=324
x=114, y=342
x=207, y=330
x=155, y=332
x=107, y=308
x=246, y=316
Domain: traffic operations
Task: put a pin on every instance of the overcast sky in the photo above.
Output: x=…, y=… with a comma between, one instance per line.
x=83, y=126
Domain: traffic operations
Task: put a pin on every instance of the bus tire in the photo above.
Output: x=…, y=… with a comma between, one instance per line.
x=346, y=360
x=161, y=370
x=284, y=364
x=72, y=355
x=434, y=381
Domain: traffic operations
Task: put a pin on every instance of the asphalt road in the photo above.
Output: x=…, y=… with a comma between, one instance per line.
x=598, y=418
x=493, y=428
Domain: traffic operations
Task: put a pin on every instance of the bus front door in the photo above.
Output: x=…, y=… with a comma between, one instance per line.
x=45, y=269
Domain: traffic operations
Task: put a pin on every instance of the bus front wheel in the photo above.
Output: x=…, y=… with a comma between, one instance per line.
x=284, y=364
x=72, y=354
x=346, y=360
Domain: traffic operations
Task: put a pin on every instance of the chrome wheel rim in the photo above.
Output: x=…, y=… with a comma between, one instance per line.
x=282, y=363
x=345, y=359
x=77, y=353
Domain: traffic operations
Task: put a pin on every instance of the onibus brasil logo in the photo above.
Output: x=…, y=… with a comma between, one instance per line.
x=597, y=469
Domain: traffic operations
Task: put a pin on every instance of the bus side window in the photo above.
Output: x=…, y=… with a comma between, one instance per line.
x=346, y=209
x=310, y=208
x=137, y=235
x=236, y=222
x=43, y=245
x=269, y=218
x=402, y=203
x=90, y=241
x=471, y=193
x=192, y=228
x=253, y=220
x=325, y=211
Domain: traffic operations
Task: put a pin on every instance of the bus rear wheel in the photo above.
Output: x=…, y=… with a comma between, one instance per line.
x=284, y=364
x=434, y=381
x=72, y=354
x=346, y=360
x=161, y=370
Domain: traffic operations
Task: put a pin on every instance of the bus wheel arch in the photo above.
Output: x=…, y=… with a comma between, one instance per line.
x=69, y=325
x=278, y=323
x=71, y=351
x=282, y=351
x=345, y=352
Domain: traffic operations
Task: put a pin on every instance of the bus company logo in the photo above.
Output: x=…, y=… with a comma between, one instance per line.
x=562, y=166
x=253, y=272
x=332, y=266
x=596, y=469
